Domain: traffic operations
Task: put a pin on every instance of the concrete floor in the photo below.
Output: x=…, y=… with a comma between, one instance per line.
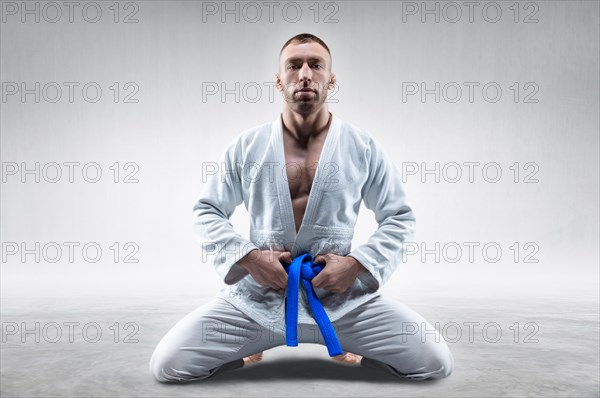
x=559, y=359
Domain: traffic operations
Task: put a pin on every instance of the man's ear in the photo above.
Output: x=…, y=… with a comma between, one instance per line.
x=332, y=81
x=278, y=82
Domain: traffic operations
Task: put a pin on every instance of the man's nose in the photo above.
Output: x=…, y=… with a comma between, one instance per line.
x=305, y=73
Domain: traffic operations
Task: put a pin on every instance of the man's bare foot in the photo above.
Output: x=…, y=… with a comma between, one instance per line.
x=253, y=358
x=348, y=358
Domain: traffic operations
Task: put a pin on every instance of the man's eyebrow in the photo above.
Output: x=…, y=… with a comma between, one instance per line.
x=295, y=59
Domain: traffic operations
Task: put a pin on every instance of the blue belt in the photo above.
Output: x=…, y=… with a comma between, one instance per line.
x=302, y=267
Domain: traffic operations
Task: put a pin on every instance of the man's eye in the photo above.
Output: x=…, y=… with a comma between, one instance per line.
x=292, y=66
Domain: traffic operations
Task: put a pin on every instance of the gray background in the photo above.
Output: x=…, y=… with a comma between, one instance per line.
x=175, y=50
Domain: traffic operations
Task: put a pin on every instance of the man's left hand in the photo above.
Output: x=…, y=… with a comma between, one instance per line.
x=339, y=272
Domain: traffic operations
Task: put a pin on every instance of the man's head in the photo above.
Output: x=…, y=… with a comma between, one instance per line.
x=305, y=73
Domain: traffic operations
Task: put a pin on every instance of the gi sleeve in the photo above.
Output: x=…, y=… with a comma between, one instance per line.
x=211, y=213
x=384, y=194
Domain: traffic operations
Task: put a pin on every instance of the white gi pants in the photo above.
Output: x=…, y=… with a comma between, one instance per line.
x=217, y=336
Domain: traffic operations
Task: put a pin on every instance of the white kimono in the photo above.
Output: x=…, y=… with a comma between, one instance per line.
x=352, y=168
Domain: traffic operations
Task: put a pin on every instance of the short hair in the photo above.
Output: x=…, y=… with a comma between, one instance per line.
x=305, y=38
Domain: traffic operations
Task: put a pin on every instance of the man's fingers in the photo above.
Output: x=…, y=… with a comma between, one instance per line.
x=283, y=280
x=286, y=257
x=316, y=281
x=325, y=258
x=278, y=279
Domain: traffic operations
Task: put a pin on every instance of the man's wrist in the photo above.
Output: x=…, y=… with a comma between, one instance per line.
x=245, y=261
x=360, y=269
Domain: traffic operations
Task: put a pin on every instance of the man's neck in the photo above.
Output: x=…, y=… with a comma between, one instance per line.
x=304, y=127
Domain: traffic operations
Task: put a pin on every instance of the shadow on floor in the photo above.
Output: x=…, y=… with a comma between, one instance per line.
x=304, y=369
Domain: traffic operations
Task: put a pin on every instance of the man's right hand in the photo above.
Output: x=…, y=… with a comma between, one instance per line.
x=265, y=267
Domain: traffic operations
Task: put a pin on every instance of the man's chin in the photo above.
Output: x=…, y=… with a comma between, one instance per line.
x=303, y=99
x=305, y=107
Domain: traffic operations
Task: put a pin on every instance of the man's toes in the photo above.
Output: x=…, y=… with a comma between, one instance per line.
x=253, y=358
x=348, y=358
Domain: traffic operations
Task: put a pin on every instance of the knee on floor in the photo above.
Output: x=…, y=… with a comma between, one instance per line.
x=168, y=370
x=159, y=368
x=442, y=363
x=433, y=361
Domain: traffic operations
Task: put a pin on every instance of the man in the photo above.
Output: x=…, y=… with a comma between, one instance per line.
x=302, y=179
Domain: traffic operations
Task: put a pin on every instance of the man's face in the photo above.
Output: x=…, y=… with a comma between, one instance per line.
x=304, y=76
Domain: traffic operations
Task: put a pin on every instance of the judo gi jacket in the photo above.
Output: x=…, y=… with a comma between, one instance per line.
x=352, y=168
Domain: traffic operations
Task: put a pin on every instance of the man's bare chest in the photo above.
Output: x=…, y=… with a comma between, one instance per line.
x=301, y=165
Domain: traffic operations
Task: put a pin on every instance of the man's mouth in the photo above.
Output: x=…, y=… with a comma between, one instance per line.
x=305, y=90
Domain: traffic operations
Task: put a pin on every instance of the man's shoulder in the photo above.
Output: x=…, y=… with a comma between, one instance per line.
x=354, y=134
x=259, y=132
x=250, y=137
x=359, y=140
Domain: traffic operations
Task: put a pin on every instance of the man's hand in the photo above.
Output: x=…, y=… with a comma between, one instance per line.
x=339, y=272
x=265, y=268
